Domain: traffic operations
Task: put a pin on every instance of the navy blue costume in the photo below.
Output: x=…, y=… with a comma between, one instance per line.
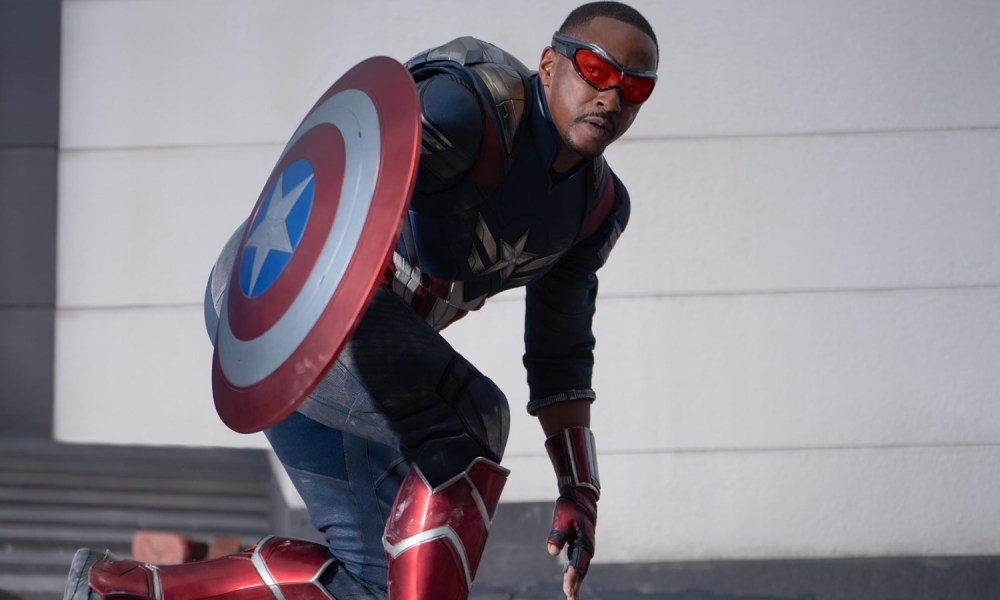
x=488, y=214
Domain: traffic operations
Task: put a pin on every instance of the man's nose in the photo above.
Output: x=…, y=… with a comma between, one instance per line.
x=610, y=99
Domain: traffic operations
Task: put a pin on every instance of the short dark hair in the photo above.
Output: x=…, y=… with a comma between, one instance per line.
x=583, y=14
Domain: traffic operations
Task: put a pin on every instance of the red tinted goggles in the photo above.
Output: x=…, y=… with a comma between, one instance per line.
x=596, y=67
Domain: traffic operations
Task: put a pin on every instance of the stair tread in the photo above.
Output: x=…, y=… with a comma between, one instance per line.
x=41, y=558
x=56, y=498
x=127, y=483
x=143, y=500
x=33, y=582
x=145, y=519
x=12, y=447
x=123, y=466
x=24, y=533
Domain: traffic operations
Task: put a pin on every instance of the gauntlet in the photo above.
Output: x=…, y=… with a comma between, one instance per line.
x=574, y=459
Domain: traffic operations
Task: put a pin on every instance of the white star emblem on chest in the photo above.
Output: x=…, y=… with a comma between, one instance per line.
x=511, y=261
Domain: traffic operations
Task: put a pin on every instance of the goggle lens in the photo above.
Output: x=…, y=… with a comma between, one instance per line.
x=601, y=74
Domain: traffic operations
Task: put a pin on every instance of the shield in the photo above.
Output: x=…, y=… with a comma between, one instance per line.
x=315, y=245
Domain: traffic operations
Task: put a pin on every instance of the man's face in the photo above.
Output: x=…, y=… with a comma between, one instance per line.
x=587, y=119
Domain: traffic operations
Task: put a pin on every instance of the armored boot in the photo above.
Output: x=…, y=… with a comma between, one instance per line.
x=434, y=537
x=274, y=568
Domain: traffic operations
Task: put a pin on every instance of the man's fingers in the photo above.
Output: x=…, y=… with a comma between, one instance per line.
x=554, y=549
x=571, y=584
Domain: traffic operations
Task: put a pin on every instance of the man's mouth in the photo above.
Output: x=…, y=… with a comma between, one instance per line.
x=601, y=125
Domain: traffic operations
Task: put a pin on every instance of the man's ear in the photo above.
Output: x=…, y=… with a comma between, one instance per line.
x=546, y=66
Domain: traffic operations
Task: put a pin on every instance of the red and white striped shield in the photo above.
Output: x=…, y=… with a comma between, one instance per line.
x=316, y=243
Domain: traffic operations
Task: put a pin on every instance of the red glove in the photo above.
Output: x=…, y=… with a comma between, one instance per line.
x=574, y=459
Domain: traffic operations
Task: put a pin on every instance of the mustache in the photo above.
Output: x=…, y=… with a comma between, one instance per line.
x=603, y=115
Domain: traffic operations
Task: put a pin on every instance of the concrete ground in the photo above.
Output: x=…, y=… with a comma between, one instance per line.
x=516, y=567
x=881, y=579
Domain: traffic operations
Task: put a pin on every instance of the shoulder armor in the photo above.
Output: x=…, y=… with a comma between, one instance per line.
x=499, y=77
x=466, y=51
x=507, y=90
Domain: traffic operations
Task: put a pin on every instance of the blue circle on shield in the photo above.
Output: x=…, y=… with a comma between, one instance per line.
x=277, y=228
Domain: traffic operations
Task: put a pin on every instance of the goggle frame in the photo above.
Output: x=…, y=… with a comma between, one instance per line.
x=569, y=46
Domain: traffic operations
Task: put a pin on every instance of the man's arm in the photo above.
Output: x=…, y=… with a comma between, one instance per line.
x=570, y=445
x=559, y=344
x=564, y=415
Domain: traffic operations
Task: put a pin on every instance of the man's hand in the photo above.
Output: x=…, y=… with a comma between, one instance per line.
x=574, y=459
x=573, y=527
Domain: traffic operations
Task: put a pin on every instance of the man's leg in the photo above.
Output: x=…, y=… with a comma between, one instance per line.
x=273, y=568
x=436, y=534
x=348, y=484
x=399, y=381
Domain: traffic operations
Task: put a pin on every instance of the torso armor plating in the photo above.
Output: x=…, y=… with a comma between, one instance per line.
x=488, y=214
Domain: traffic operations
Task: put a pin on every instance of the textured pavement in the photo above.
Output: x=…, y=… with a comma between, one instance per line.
x=961, y=578
x=516, y=567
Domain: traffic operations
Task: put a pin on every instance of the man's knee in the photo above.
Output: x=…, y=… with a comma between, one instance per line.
x=469, y=420
x=480, y=405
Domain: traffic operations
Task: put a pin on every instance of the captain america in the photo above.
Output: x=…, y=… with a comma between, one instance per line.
x=397, y=450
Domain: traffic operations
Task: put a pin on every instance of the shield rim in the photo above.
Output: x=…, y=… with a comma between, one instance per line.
x=392, y=91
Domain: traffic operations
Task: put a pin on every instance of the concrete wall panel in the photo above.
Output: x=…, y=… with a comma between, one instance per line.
x=188, y=72
x=773, y=372
x=145, y=228
x=808, y=504
x=825, y=213
x=138, y=376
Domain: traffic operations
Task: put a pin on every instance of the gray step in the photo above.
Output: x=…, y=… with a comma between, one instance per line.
x=10, y=497
x=120, y=466
x=29, y=456
x=56, y=498
x=123, y=483
x=33, y=583
x=139, y=519
x=13, y=447
x=21, y=535
x=20, y=539
x=35, y=561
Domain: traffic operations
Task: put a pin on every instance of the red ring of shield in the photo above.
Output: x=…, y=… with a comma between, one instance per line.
x=250, y=318
x=253, y=408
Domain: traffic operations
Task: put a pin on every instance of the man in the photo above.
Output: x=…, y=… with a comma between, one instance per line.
x=396, y=452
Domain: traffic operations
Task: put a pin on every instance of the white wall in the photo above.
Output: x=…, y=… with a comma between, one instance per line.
x=798, y=333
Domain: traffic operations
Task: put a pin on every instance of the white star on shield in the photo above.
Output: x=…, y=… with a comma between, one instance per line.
x=271, y=234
